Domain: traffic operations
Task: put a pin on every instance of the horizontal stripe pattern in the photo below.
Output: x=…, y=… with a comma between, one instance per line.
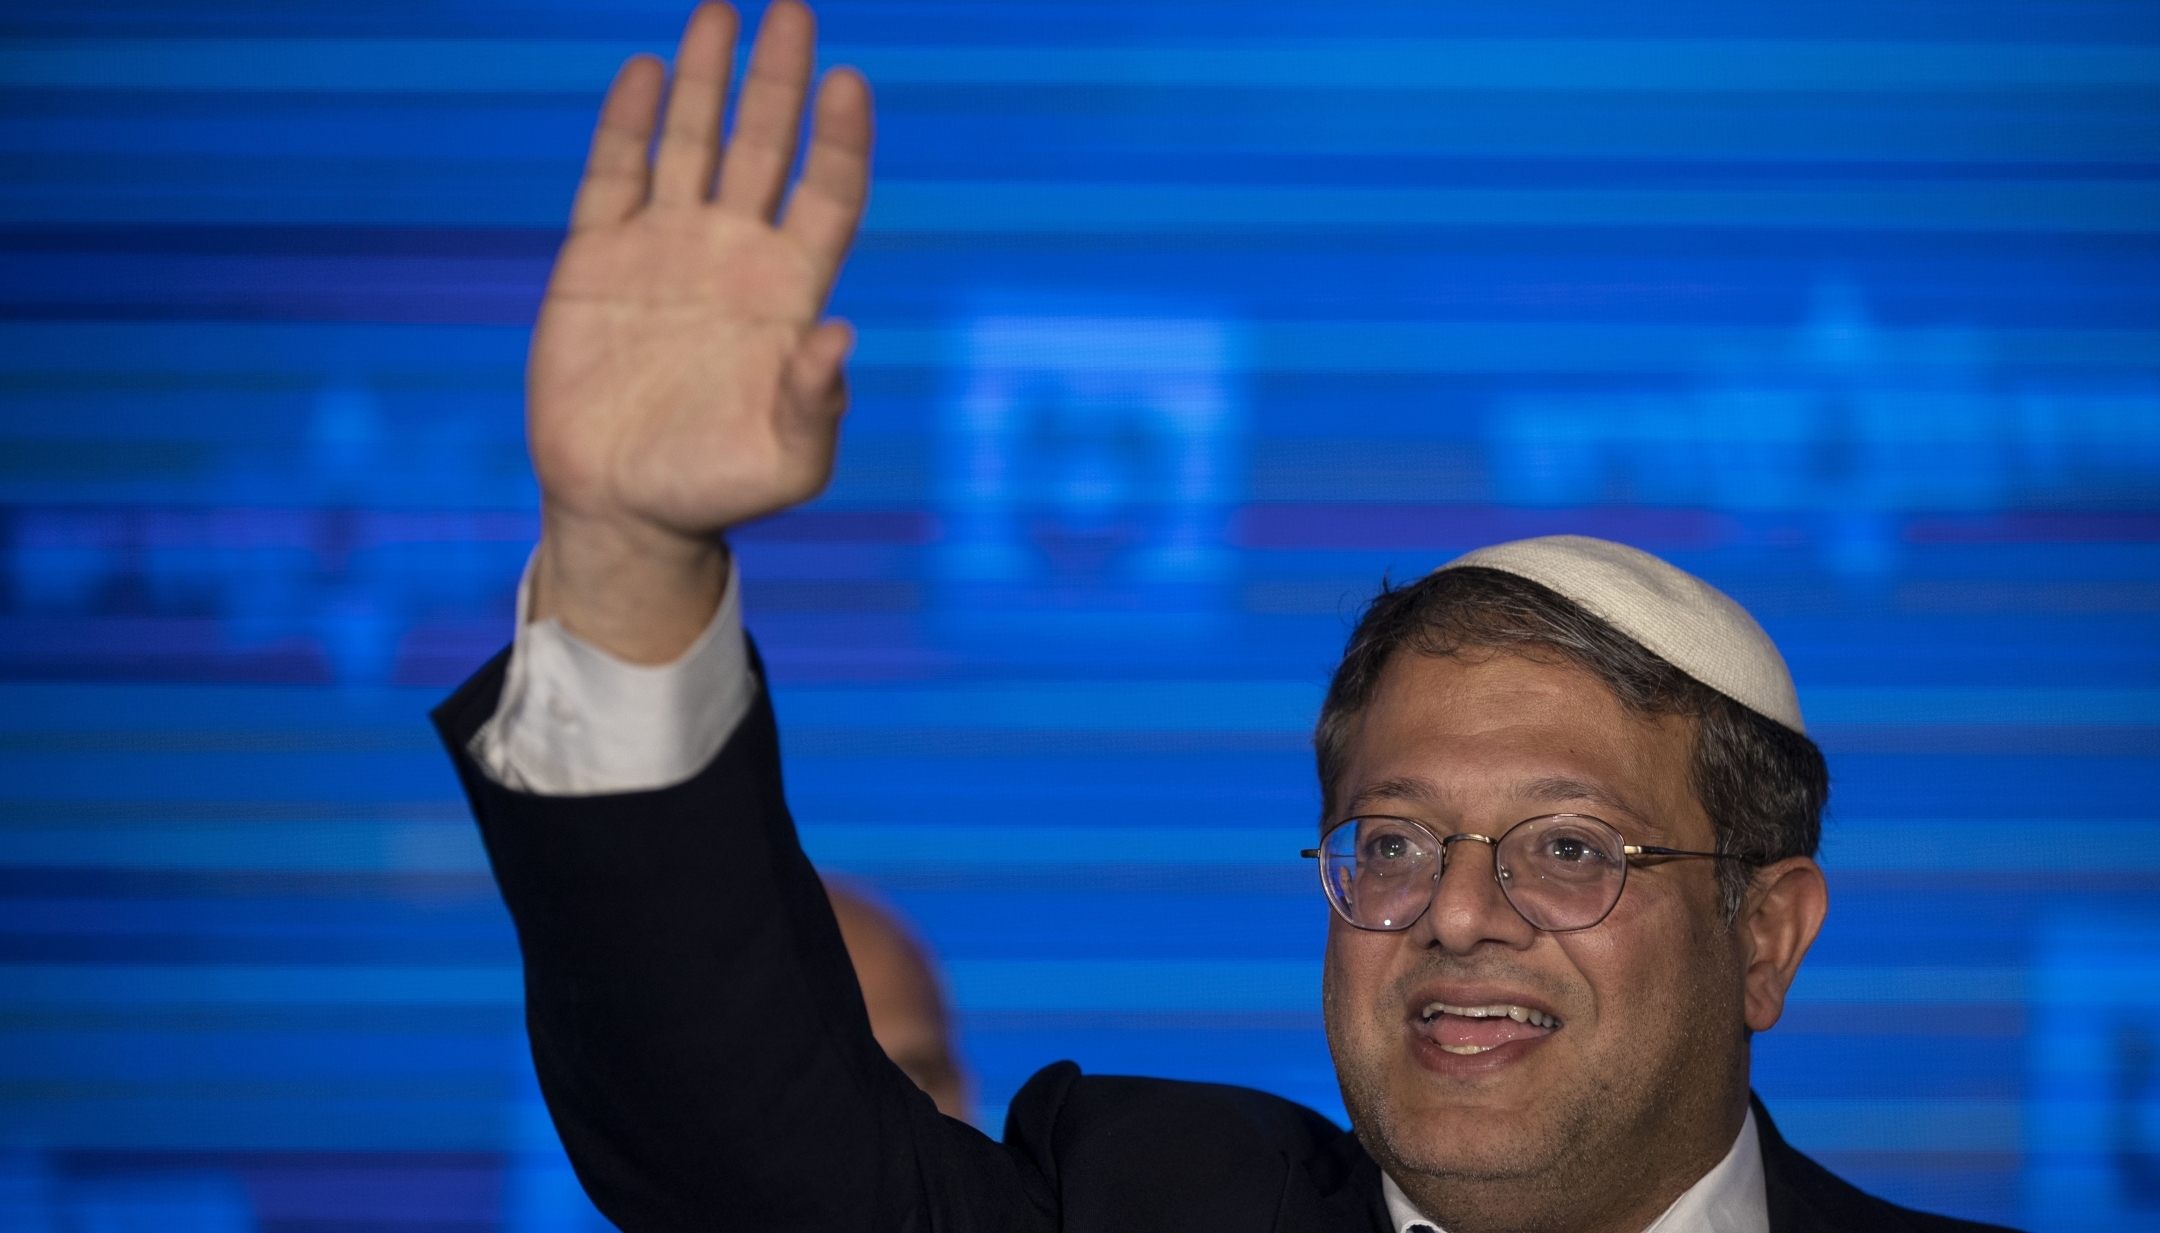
x=63, y=191
x=292, y=65
x=55, y=356
x=1849, y=311
x=977, y=986
x=275, y=845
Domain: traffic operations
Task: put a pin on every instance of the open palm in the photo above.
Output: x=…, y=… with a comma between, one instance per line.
x=680, y=381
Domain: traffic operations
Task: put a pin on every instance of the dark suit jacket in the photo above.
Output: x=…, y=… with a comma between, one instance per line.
x=703, y=1047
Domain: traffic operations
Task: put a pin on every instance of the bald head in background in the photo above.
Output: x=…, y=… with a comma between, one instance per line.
x=903, y=994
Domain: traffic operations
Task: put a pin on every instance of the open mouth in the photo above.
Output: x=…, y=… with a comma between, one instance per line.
x=1469, y=1030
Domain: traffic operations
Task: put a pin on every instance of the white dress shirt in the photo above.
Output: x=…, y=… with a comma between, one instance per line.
x=1728, y=1199
x=576, y=721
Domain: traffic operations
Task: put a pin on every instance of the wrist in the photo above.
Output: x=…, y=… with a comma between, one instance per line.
x=639, y=592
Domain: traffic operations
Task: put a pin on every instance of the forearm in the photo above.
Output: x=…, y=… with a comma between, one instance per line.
x=694, y=1017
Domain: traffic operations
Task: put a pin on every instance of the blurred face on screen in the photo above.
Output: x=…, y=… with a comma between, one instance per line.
x=1508, y=1077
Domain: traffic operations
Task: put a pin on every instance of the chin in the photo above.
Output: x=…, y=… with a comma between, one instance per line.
x=1464, y=1147
x=1479, y=1130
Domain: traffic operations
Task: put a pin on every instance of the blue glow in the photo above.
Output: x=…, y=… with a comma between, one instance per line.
x=1179, y=328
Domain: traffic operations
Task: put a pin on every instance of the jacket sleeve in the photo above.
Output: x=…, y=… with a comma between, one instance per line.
x=700, y=1038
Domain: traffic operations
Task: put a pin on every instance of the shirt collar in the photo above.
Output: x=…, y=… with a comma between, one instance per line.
x=1730, y=1198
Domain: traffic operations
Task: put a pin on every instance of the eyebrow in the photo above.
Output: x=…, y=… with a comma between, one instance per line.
x=1402, y=788
x=1556, y=789
x=1550, y=789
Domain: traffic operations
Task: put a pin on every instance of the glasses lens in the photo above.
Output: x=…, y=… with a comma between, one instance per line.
x=1563, y=872
x=1379, y=871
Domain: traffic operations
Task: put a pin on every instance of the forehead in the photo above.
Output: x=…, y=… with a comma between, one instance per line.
x=1502, y=721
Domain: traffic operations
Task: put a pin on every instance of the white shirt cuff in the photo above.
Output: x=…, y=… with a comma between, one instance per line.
x=576, y=721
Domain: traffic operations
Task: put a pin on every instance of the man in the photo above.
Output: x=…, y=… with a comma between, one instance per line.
x=900, y=991
x=1569, y=810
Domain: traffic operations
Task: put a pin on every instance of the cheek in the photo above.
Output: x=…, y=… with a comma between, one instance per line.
x=1641, y=966
x=1359, y=968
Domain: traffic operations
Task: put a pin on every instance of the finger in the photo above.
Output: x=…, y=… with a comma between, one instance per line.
x=827, y=204
x=616, y=172
x=690, y=140
x=768, y=117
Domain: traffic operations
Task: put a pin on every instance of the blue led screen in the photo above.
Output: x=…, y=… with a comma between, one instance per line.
x=1181, y=327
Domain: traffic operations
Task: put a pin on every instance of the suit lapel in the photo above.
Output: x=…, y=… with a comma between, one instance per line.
x=1804, y=1197
x=1336, y=1191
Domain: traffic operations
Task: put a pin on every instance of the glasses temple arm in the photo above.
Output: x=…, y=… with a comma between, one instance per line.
x=1635, y=849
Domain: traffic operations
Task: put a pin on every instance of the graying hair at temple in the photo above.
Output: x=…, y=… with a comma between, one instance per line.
x=1762, y=784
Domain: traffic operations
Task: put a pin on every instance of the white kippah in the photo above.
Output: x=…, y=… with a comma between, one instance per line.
x=1694, y=626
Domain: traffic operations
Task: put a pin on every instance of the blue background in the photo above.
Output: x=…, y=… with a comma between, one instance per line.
x=1181, y=326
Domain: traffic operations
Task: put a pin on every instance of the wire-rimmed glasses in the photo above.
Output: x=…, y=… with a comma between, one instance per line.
x=1561, y=871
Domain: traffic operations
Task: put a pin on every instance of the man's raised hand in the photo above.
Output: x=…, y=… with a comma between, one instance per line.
x=681, y=382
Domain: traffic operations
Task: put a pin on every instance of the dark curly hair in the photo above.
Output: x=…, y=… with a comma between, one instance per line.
x=1762, y=784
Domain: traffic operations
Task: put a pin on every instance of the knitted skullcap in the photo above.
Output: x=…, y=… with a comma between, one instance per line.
x=1690, y=624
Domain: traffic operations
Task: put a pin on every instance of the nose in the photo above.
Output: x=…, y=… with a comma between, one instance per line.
x=1468, y=909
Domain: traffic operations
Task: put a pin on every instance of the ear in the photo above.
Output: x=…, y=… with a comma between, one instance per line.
x=1784, y=911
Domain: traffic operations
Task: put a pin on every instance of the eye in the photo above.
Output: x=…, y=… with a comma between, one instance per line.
x=1387, y=847
x=1574, y=849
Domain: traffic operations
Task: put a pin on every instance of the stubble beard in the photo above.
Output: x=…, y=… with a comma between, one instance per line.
x=1589, y=1163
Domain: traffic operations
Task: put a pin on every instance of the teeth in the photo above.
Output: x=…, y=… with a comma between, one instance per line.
x=1520, y=1014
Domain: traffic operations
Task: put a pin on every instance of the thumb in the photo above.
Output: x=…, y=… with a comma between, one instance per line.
x=817, y=390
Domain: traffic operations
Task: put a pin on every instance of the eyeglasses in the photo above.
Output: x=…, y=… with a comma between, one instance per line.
x=1561, y=871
